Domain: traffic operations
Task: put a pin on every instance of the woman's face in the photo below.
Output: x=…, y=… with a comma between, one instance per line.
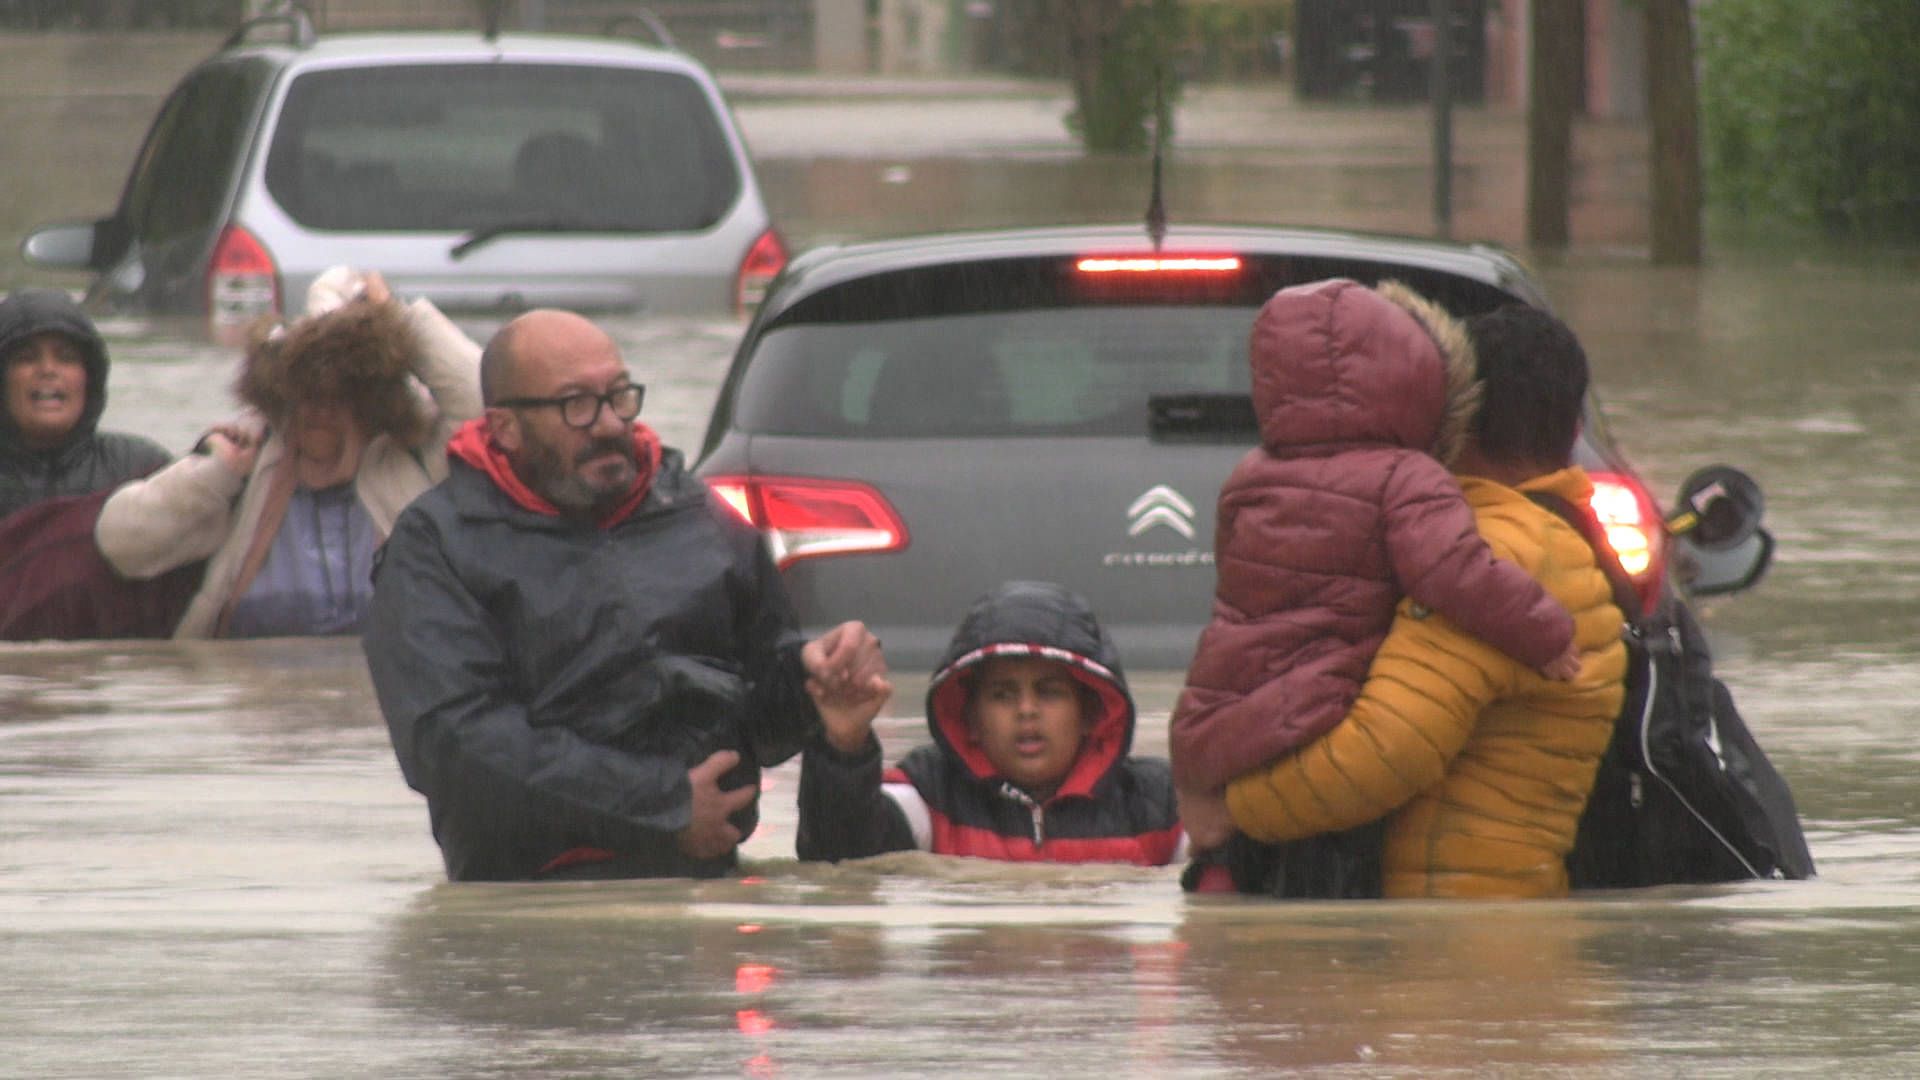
x=46, y=388
x=323, y=431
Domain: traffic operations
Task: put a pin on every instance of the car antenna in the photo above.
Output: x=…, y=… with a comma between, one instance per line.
x=1156, y=204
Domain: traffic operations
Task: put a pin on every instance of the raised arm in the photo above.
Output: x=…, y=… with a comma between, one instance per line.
x=845, y=812
x=180, y=513
x=447, y=363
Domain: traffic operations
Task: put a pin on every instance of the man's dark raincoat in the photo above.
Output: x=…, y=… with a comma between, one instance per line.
x=548, y=682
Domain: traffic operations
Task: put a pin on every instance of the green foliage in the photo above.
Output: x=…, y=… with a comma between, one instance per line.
x=1235, y=39
x=1116, y=68
x=1811, y=112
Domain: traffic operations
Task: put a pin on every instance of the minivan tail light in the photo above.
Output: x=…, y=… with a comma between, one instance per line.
x=242, y=283
x=1634, y=529
x=806, y=518
x=764, y=261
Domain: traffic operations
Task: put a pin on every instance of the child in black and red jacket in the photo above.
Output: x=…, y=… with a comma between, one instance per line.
x=1031, y=724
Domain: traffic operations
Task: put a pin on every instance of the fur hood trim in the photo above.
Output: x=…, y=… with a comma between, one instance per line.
x=1463, y=367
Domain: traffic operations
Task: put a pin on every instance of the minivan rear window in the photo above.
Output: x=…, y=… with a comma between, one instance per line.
x=460, y=147
x=1052, y=371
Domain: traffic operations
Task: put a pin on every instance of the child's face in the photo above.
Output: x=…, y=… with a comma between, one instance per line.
x=1026, y=715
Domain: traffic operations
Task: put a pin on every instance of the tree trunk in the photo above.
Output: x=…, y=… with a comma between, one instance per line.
x=1673, y=107
x=1553, y=83
x=1086, y=27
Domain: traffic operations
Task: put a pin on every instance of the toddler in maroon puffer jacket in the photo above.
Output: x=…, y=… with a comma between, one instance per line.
x=1364, y=395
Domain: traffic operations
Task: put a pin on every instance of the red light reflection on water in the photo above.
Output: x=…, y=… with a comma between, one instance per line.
x=753, y=1022
x=754, y=978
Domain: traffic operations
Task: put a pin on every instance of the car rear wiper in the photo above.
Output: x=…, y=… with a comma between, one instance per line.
x=1203, y=417
x=488, y=233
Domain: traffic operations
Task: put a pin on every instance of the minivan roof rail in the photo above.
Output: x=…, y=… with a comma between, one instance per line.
x=294, y=16
x=618, y=25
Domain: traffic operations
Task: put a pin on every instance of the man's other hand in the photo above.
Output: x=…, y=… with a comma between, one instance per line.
x=847, y=679
x=710, y=835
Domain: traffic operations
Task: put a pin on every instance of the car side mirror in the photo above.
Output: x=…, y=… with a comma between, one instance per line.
x=67, y=246
x=1716, y=526
x=1719, y=507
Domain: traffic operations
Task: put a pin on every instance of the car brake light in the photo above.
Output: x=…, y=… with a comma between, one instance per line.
x=1158, y=264
x=763, y=263
x=242, y=284
x=1634, y=530
x=805, y=518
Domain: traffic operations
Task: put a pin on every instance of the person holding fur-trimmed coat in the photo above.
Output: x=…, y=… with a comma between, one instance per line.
x=1474, y=770
x=1363, y=396
x=353, y=405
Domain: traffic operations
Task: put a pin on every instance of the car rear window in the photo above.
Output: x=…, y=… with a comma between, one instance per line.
x=1023, y=347
x=1059, y=371
x=472, y=146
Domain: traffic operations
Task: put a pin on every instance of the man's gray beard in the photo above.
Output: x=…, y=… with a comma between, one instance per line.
x=548, y=475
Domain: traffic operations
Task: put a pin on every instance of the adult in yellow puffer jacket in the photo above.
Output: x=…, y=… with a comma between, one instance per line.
x=1480, y=766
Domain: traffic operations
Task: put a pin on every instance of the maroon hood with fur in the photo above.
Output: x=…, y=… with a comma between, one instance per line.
x=1361, y=393
x=1337, y=364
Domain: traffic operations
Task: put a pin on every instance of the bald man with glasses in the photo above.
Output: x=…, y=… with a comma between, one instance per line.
x=583, y=657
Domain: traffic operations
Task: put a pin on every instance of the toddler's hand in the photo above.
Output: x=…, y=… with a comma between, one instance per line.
x=1204, y=815
x=1565, y=667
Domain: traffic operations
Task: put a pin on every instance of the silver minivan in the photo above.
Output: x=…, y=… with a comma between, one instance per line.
x=488, y=173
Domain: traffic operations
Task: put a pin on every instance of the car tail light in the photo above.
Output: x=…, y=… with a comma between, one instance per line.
x=242, y=284
x=1159, y=264
x=805, y=518
x=1635, y=531
x=763, y=263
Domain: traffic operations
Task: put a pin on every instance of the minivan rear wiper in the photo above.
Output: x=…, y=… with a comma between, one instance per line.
x=488, y=233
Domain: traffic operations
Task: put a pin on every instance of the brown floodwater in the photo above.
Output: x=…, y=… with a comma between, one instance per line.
x=209, y=864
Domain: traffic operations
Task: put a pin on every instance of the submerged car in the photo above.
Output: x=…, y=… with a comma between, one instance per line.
x=487, y=172
x=912, y=421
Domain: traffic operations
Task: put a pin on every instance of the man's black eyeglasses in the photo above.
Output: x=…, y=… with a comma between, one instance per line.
x=582, y=409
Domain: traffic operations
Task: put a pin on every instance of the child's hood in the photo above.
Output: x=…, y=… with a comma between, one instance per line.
x=1336, y=364
x=1041, y=619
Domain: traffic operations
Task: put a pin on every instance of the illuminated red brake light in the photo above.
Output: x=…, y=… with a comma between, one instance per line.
x=242, y=283
x=764, y=261
x=805, y=518
x=1158, y=264
x=1635, y=531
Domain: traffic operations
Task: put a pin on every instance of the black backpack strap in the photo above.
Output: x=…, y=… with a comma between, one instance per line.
x=1625, y=596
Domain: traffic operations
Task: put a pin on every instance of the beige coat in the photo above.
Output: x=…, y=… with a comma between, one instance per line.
x=197, y=508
